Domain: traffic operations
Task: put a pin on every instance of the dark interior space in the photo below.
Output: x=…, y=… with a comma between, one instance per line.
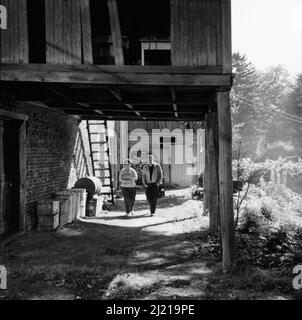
x=12, y=176
x=139, y=19
x=36, y=31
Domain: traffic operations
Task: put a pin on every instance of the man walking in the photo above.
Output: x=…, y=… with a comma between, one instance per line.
x=152, y=176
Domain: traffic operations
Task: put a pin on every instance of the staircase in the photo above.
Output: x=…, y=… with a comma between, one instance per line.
x=100, y=155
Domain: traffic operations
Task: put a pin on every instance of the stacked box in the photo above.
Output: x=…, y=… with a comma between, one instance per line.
x=65, y=199
x=48, y=211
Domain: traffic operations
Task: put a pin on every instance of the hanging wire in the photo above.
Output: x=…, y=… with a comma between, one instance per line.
x=270, y=110
x=273, y=107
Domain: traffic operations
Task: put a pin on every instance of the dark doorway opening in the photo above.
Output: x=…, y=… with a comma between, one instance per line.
x=11, y=178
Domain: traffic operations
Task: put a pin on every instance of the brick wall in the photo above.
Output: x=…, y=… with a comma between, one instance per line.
x=55, y=158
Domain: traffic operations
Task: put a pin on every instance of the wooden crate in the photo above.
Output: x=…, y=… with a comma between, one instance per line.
x=48, y=223
x=48, y=207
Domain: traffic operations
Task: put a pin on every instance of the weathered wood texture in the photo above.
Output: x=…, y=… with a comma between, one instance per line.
x=117, y=75
x=2, y=179
x=206, y=174
x=196, y=32
x=225, y=179
x=226, y=36
x=116, y=32
x=68, y=32
x=86, y=32
x=14, y=40
x=213, y=184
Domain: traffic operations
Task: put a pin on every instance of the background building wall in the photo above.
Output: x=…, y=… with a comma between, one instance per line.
x=55, y=158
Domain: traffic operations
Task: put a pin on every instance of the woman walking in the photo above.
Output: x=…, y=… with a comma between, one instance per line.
x=128, y=176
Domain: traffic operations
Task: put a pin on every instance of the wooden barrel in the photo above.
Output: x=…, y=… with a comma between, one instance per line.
x=92, y=185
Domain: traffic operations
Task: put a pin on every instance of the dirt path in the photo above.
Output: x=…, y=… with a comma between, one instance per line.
x=115, y=257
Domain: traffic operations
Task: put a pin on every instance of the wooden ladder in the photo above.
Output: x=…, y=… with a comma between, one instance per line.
x=100, y=155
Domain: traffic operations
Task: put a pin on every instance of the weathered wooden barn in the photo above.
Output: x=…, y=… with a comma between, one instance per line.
x=63, y=61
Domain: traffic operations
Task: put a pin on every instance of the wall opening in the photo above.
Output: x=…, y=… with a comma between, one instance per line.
x=36, y=31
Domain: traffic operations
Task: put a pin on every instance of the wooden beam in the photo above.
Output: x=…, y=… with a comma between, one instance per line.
x=117, y=94
x=12, y=115
x=108, y=75
x=226, y=33
x=225, y=180
x=123, y=118
x=213, y=185
x=114, y=111
x=116, y=32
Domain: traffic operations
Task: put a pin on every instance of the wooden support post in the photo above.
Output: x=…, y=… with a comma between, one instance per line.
x=116, y=32
x=2, y=179
x=225, y=180
x=206, y=171
x=213, y=184
x=22, y=170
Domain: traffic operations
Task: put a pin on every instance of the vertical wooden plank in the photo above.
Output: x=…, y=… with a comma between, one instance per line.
x=225, y=180
x=226, y=23
x=13, y=31
x=116, y=32
x=2, y=179
x=86, y=32
x=67, y=27
x=202, y=24
x=49, y=23
x=57, y=30
x=194, y=22
x=212, y=33
x=218, y=34
x=23, y=170
x=23, y=26
x=77, y=33
x=173, y=31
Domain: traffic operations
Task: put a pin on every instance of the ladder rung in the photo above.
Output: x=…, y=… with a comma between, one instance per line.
x=99, y=142
x=99, y=132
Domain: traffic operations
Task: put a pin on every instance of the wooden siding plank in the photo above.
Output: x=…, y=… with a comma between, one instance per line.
x=194, y=22
x=77, y=32
x=202, y=50
x=56, y=29
x=86, y=32
x=13, y=31
x=23, y=25
x=218, y=34
x=115, y=32
x=174, y=31
x=49, y=22
x=226, y=36
x=212, y=33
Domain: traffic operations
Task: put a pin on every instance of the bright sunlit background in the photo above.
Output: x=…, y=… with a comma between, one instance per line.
x=269, y=32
